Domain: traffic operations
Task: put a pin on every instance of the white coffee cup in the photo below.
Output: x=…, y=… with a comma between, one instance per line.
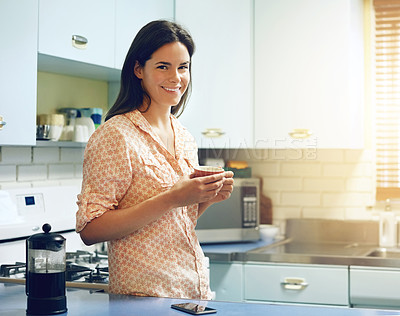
x=81, y=133
x=67, y=133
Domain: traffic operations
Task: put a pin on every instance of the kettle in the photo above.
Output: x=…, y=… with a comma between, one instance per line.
x=45, y=273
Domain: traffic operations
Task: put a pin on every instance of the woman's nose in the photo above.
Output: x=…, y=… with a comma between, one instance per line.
x=175, y=76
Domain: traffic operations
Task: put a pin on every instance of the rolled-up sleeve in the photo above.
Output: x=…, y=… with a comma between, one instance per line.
x=107, y=175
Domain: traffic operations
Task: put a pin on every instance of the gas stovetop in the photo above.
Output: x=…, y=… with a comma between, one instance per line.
x=85, y=266
x=83, y=269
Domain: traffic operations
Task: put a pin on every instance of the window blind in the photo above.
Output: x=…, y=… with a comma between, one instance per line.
x=387, y=97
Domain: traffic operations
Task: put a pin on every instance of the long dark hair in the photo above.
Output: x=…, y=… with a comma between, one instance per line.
x=150, y=38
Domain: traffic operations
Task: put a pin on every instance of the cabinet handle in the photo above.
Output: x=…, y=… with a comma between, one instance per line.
x=213, y=132
x=2, y=123
x=79, y=41
x=296, y=284
x=300, y=133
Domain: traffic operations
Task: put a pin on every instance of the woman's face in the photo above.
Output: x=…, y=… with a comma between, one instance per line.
x=165, y=76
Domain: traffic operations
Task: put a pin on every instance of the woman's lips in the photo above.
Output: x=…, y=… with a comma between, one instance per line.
x=172, y=89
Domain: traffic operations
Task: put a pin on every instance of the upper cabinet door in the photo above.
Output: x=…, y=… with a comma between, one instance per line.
x=131, y=16
x=18, y=74
x=309, y=76
x=78, y=30
x=220, y=111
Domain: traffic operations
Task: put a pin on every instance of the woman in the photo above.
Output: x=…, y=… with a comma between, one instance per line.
x=138, y=192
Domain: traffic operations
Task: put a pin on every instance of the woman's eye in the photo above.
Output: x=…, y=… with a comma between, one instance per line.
x=184, y=67
x=162, y=67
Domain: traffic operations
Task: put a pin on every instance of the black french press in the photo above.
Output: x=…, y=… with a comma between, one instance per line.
x=45, y=273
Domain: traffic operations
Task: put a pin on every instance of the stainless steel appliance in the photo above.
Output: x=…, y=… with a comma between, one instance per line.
x=235, y=219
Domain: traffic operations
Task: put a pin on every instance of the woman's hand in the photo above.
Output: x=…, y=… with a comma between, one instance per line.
x=222, y=195
x=189, y=190
x=226, y=189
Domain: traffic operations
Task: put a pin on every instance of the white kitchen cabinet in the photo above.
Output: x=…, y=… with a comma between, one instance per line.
x=220, y=111
x=226, y=280
x=91, y=21
x=131, y=16
x=309, y=73
x=296, y=283
x=18, y=74
x=374, y=287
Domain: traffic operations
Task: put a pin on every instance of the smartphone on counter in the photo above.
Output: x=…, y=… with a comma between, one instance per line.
x=194, y=309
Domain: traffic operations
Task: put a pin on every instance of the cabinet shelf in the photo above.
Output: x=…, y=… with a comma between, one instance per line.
x=52, y=64
x=49, y=143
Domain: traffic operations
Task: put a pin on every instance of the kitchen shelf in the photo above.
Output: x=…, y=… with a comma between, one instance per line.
x=49, y=143
x=74, y=68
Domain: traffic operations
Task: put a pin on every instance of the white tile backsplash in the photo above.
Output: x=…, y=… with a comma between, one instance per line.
x=283, y=184
x=350, y=199
x=45, y=154
x=323, y=183
x=61, y=171
x=40, y=166
x=16, y=155
x=326, y=212
x=330, y=155
x=336, y=184
x=301, y=198
x=8, y=173
x=78, y=170
x=72, y=154
x=361, y=184
x=31, y=172
x=301, y=169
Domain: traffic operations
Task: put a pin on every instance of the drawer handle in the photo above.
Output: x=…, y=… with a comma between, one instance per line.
x=296, y=284
x=2, y=123
x=213, y=132
x=300, y=133
x=79, y=41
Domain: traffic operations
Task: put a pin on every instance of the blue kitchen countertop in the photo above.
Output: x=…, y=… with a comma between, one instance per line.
x=85, y=302
x=229, y=251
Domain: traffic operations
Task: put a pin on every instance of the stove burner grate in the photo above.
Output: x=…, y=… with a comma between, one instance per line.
x=6, y=270
x=74, y=272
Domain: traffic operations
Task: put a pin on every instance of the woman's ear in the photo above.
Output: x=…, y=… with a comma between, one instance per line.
x=138, y=70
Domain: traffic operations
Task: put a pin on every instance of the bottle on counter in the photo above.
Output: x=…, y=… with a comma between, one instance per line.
x=387, y=227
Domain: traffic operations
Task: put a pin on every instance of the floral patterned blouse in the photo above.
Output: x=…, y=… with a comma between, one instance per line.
x=125, y=163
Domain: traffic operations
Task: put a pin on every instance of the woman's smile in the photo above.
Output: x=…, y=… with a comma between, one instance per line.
x=172, y=89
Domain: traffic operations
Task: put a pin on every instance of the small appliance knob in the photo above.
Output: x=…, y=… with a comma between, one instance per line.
x=46, y=228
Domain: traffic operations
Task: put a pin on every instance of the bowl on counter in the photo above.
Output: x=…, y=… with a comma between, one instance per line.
x=268, y=232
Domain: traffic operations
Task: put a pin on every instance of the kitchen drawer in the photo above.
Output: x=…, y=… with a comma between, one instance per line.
x=374, y=287
x=226, y=280
x=322, y=284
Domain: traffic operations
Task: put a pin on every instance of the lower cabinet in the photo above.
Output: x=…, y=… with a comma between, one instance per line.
x=374, y=287
x=354, y=286
x=226, y=280
x=296, y=283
